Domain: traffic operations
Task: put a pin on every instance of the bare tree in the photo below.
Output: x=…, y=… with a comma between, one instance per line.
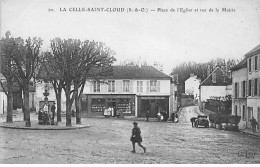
x=26, y=59
x=77, y=61
x=7, y=46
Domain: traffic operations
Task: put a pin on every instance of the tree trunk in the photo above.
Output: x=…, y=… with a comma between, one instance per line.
x=9, y=118
x=58, y=97
x=68, y=105
x=26, y=105
x=78, y=110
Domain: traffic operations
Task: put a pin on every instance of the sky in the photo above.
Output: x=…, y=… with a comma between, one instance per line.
x=156, y=35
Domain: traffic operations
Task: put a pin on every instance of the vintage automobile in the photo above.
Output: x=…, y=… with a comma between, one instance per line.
x=202, y=121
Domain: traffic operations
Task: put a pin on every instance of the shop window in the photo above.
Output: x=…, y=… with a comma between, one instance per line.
x=111, y=86
x=98, y=105
x=139, y=86
x=126, y=85
x=96, y=86
x=124, y=105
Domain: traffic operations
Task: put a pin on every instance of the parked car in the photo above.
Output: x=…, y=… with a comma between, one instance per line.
x=202, y=120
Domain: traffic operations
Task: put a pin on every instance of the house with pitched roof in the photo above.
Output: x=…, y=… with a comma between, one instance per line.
x=216, y=86
x=239, y=93
x=132, y=90
x=253, y=82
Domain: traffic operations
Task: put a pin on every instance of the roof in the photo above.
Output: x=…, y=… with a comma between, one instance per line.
x=241, y=64
x=136, y=72
x=254, y=51
x=221, y=79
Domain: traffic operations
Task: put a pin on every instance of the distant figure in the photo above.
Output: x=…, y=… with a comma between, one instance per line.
x=53, y=108
x=147, y=115
x=45, y=108
x=253, y=124
x=176, y=118
x=173, y=117
x=40, y=117
x=159, y=116
x=192, y=120
x=136, y=137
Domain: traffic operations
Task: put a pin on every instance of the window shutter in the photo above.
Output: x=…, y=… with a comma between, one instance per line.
x=253, y=87
x=141, y=86
x=119, y=86
x=258, y=84
x=131, y=86
x=91, y=86
x=238, y=90
x=259, y=61
x=241, y=89
x=158, y=86
x=253, y=64
x=247, y=88
x=147, y=86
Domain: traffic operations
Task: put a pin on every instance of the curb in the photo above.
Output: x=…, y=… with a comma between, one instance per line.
x=252, y=134
x=45, y=128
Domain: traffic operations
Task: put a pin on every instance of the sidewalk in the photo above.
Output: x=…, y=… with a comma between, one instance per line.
x=249, y=132
x=18, y=123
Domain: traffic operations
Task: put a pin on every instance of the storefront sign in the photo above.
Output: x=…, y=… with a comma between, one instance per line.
x=153, y=97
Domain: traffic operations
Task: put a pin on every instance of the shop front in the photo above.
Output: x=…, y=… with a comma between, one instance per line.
x=154, y=104
x=98, y=103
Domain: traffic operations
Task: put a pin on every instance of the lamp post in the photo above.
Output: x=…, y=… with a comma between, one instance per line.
x=46, y=92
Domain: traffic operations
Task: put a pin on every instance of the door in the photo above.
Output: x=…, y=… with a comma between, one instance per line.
x=153, y=108
x=258, y=117
x=249, y=112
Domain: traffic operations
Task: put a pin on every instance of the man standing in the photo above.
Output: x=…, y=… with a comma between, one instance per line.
x=192, y=120
x=253, y=124
x=147, y=115
x=53, y=108
x=136, y=137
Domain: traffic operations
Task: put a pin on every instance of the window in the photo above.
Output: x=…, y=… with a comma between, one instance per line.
x=126, y=85
x=249, y=87
x=249, y=65
x=236, y=90
x=32, y=100
x=256, y=62
x=214, y=77
x=153, y=87
x=139, y=86
x=256, y=87
x=244, y=112
x=96, y=86
x=235, y=110
x=111, y=86
x=244, y=89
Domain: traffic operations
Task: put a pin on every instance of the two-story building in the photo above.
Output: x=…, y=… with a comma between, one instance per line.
x=239, y=87
x=192, y=86
x=253, y=82
x=132, y=90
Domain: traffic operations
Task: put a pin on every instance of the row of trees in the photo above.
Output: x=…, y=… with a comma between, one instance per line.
x=202, y=70
x=67, y=66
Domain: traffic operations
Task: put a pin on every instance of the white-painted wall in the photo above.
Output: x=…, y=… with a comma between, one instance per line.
x=208, y=91
x=3, y=103
x=192, y=86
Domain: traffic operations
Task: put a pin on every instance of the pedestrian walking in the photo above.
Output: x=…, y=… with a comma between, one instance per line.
x=254, y=123
x=53, y=108
x=136, y=137
x=147, y=115
x=192, y=120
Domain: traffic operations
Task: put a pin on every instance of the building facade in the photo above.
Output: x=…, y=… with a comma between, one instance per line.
x=253, y=82
x=192, y=86
x=239, y=94
x=132, y=90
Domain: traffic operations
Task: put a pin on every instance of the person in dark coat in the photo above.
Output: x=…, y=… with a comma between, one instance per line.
x=254, y=123
x=192, y=120
x=53, y=108
x=147, y=115
x=136, y=137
